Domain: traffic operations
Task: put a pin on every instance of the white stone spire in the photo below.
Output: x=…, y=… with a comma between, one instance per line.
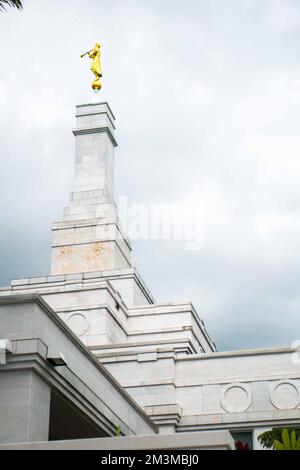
x=88, y=238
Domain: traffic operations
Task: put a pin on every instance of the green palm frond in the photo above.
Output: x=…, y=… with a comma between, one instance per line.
x=278, y=445
x=291, y=438
x=10, y=3
x=289, y=442
x=286, y=439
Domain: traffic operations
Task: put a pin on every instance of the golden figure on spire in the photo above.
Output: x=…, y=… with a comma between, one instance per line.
x=96, y=66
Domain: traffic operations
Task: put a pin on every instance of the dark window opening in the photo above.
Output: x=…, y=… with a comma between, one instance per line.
x=67, y=422
x=243, y=437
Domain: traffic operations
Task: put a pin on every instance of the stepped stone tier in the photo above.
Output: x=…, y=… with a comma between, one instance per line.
x=94, y=339
x=89, y=237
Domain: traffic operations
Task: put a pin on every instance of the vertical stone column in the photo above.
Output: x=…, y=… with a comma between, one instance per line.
x=24, y=407
x=89, y=238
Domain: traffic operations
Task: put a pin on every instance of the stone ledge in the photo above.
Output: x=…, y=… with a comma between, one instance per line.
x=93, y=105
x=165, y=414
x=95, y=130
x=210, y=440
x=245, y=352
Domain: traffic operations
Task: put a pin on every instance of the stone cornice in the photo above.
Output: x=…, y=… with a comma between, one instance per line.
x=97, y=104
x=59, y=279
x=240, y=353
x=97, y=114
x=95, y=130
x=72, y=224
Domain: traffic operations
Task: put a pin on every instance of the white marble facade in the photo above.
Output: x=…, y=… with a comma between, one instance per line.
x=160, y=353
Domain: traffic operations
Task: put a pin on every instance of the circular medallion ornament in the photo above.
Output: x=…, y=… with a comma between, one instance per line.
x=78, y=323
x=285, y=395
x=236, y=398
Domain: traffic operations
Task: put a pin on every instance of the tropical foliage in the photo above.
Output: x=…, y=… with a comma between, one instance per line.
x=278, y=439
x=289, y=442
x=241, y=446
x=10, y=3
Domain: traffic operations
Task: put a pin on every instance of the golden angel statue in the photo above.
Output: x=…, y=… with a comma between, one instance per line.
x=96, y=68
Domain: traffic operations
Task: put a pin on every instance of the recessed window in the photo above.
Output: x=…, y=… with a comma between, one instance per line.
x=243, y=437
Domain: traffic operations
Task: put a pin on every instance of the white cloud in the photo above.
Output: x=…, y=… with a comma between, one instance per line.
x=208, y=110
x=272, y=221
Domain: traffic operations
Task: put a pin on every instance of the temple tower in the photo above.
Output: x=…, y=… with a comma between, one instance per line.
x=88, y=238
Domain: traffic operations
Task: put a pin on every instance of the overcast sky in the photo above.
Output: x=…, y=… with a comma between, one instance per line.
x=207, y=99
